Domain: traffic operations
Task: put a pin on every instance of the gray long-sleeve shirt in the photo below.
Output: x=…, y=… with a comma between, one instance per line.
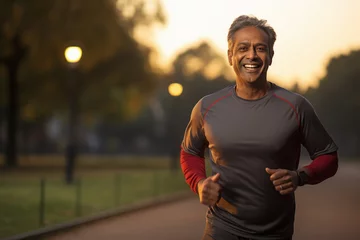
x=244, y=137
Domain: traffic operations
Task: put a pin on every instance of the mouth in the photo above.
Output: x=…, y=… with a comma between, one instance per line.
x=252, y=67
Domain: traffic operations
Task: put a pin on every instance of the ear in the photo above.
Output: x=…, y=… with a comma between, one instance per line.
x=230, y=55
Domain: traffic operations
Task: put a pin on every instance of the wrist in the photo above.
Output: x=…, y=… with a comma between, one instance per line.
x=198, y=185
x=302, y=177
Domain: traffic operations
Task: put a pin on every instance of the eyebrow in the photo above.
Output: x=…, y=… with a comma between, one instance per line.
x=257, y=44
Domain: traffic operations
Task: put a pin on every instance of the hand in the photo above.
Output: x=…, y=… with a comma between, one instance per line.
x=285, y=181
x=209, y=190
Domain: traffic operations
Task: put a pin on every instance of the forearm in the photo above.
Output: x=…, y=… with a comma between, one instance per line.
x=322, y=168
x=193, y=168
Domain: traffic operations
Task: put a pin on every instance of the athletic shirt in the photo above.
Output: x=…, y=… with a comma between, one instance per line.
x=244, y=137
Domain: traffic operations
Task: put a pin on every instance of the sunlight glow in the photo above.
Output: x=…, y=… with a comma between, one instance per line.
x=308, y=33
x=175, y=89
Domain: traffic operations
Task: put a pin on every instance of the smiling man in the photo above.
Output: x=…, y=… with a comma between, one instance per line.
x=254, y=131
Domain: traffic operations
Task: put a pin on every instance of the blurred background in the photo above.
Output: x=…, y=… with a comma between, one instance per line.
x=96, y=94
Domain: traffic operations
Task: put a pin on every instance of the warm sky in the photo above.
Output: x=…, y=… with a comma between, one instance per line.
x=309, y=32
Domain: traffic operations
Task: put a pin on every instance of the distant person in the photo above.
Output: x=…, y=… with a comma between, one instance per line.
x=254, y=131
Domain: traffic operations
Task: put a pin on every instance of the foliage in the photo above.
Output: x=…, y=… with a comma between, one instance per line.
x=337, y=101
x=114, y=66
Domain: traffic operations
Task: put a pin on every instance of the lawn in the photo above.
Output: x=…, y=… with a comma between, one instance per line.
x=93, y=191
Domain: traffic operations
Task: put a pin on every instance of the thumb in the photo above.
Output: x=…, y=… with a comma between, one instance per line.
x=216, y=177
x=270, y=171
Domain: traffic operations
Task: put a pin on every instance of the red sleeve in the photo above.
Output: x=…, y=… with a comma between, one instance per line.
x=322, y=167
x=193, y=168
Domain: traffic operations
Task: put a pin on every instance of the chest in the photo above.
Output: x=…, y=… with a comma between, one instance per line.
x=264, y=128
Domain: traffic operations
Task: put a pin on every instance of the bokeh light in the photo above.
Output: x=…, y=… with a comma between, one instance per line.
x=175, y=89
x=73, y=54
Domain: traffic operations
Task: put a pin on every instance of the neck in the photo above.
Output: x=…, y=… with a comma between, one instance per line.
x=252, y=91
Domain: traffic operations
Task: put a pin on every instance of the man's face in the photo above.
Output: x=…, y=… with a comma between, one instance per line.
x=250, y=56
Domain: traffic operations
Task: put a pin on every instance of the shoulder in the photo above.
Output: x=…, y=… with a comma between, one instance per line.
x=212, y=98
x=295, y=99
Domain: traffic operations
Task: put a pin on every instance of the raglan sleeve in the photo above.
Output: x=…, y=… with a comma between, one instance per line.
x=194, y=141
x=314, y=136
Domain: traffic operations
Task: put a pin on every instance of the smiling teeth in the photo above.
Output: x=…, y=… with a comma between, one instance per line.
x=250, y=66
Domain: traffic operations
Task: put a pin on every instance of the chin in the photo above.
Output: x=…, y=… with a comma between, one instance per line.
x=252, y=80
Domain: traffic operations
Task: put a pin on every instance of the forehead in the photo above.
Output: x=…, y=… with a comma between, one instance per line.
x=251, y=35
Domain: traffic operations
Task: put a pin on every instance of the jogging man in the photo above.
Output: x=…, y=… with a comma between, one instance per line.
x=254, y=131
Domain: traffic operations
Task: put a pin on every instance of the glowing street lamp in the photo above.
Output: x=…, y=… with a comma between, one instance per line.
x=175, y=89
x=73, y=54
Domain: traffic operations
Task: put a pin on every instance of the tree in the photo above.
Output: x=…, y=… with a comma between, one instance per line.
x=337, y=101
x=201, y=70
x=13, y=51
x=113, y=62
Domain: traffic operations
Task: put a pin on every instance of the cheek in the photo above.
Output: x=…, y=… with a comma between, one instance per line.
x=238, y=60
x=268, y=59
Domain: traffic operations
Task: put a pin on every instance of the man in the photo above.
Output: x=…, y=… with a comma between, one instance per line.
x=254, y=131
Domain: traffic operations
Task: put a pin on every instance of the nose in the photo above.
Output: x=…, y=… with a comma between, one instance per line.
x=252, y=54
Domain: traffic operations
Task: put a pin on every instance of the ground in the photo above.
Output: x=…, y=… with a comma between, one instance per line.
x=328, y=211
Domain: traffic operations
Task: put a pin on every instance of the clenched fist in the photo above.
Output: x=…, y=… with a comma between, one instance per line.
x=209, y=190
x=285, y=181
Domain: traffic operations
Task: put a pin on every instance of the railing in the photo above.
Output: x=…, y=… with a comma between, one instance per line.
x=31, y=203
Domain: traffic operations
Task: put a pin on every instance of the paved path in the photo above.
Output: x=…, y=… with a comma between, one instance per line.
x=175, y=221
x=330, y=211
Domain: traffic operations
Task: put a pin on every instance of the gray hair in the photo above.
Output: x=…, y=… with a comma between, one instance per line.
x=250, y=21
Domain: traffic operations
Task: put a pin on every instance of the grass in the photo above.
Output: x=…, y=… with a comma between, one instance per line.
x=52, y=161
x=93, y=191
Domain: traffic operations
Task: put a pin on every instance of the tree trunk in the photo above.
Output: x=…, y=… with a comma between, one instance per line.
x=12, y=116
x=12, y=63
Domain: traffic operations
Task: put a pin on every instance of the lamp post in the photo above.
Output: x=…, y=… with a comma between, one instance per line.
x=175, y=90
x=73, y=55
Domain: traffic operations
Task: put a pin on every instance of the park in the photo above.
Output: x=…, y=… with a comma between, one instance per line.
x=93, y=111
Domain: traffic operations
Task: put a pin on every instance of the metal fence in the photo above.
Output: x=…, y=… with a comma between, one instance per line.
x=28, y=204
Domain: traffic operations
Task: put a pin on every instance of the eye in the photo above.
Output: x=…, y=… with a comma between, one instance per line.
x=261, y=49
x=242, y=49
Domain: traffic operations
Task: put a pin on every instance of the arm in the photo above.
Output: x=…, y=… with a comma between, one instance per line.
x=193, y=168
x=321, y=168
x=319, y=144
x=192, y=149
x=193, y=162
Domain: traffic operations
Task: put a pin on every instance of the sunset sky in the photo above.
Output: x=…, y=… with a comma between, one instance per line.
x=309, y=32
